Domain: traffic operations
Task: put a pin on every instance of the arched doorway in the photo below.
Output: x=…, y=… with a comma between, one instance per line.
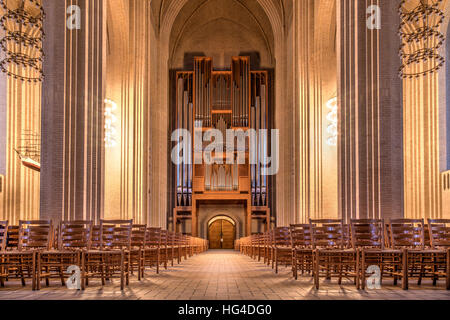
x=221, y=232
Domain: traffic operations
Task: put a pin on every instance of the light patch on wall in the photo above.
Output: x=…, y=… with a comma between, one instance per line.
x=447, y=83
x=332, y=129
x=110, y=120
x=3, y=116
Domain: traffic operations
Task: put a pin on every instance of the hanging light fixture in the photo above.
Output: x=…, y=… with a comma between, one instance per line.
x=332, y=128
x=421, y=38
x=110, y=119
x=22, y=23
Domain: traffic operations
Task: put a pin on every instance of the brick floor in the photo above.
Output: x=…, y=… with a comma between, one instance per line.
x=224, y=275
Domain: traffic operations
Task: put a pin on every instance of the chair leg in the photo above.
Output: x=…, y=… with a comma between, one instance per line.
x=157, y=261
x=20, y=271
x=276, y=260
x=83, y=271
x=358, y=271
x=448, y=270
x=405, y=270
x=316, y=269
x=127, y=270
x=122, y=271
x=422, y=270
x=61, y=273
x=33, y=276
x=143, y=263
x=47, y=280
x=294, y=265
x=434, y=270
x=140, y=264
x=363, y=270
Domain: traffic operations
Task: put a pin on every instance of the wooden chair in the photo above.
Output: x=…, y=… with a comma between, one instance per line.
x=152, y=249
x=368, y=238
x=138, y=232
x=33, y=236
x=112, y=259
x=73, y=237
x=302, y=249
x=439, y=230
x=281, y=246
x=3, y=234
x=331, y=258
x=410, y=234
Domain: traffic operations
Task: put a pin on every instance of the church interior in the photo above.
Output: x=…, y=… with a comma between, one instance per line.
x=291, y=140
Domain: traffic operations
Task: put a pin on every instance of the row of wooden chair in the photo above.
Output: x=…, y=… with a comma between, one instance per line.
x=399, y=249
x=39, y=251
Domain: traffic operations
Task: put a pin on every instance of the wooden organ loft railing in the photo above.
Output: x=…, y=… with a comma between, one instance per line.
x=222, y=100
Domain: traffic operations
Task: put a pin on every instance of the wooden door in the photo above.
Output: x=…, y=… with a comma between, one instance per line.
x=221, y=235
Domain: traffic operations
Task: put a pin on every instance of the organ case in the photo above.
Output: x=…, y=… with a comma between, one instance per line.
x=222, y=100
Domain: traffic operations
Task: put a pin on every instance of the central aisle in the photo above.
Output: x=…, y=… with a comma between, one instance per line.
x=222, y=275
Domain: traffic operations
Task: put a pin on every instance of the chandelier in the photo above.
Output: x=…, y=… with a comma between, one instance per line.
x=22, y=23
x=421, y=38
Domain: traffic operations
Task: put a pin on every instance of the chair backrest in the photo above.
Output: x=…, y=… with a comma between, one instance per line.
x=407, y=233
x=96, y=237
x=281, y=237
x=153, y=237
x=301, y=236
x=115, y=234
x=347, y=236
x=3, y=234
x=12, y=240
x=164, y=238
x=138, y=235
x=439, y=233
x=178, y=239
x=327, y=233
x=172, y=239
x=256, y=239
x=266, y=238
x=75, y=235
x=367, y=233
x=35, y=234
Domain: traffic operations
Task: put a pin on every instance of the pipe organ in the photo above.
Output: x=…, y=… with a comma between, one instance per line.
x=222, y=100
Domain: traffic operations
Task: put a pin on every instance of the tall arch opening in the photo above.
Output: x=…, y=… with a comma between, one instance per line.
x=221, y=232
x=217, y=36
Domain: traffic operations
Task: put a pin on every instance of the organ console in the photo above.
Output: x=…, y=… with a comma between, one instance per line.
x=221, y=100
